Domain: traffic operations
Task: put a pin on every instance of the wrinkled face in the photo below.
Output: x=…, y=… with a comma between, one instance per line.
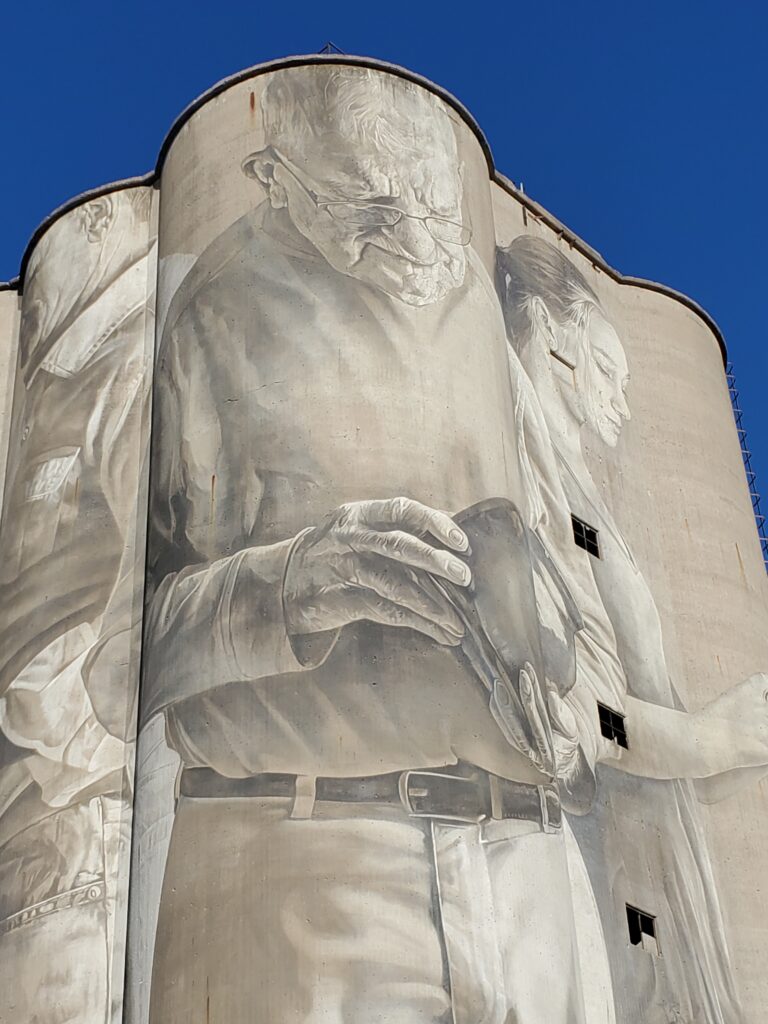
x=603, y=379
x=395, y=224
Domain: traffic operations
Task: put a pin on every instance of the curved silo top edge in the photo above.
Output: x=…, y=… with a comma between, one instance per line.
x=599, y=261
x=66, y=207
x=303, y=60
x=257, y=70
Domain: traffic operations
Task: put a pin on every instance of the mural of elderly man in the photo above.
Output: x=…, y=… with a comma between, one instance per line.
x=68, y=689
x=356, y=838
x=644, y=828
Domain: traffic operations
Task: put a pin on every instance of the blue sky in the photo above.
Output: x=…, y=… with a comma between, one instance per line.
x=641, y=126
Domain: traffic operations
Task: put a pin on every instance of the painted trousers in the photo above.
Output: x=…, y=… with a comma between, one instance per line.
x=362, y=915
x=62, y=951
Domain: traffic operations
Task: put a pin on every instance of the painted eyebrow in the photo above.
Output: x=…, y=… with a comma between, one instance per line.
x=342, y=191
x=361, y=190
x=441, y=206
x=436, y=202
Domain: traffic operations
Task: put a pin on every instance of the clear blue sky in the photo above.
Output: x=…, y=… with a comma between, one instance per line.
x=642, y=126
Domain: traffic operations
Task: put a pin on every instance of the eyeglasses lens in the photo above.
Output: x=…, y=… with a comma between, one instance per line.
x=385, y=216
x=448, y=231
x=364, y=216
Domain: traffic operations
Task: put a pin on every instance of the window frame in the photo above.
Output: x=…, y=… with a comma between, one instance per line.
x=637, y=930
x=613, y=725
x=585, y=536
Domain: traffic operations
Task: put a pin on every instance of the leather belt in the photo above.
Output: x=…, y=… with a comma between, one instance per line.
x=459, y=794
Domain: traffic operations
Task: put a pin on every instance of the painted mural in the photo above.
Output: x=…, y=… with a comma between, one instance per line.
x=351, y=675
x=406, y=747
x=378, y=652
x=70, y=607
x=641, y=839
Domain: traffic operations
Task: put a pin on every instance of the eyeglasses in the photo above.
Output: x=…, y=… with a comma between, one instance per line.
x=377, y=215
x=360, y=213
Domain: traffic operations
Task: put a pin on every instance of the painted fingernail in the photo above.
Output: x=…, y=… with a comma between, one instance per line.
x=457, y=537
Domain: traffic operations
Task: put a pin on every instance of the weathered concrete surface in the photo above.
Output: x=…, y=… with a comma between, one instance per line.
x=9, y=333
x=71, y=598
x=351, y=317
x=677, y=488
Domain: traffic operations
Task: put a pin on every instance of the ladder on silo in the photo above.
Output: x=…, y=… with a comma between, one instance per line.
x=746, y=455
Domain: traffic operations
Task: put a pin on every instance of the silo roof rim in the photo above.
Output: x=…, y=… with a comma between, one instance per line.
x=152, y=178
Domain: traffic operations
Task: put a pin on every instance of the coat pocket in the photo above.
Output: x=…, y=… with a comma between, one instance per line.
x=48, y=504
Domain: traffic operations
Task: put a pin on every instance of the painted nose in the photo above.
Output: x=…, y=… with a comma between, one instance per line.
x=414, y=239
x=621, y=406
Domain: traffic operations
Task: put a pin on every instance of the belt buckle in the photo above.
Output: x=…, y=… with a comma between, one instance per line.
x=404, y=792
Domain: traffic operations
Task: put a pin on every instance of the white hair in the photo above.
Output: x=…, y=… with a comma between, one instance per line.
x=301, y=104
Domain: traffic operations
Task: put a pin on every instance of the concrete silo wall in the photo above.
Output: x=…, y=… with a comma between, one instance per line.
x=72, y=543
x=9, y=335
x=370, y=773
x=676, y=493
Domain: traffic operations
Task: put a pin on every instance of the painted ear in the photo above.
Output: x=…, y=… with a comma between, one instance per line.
x=261, y=166
x=542, y=319
x=97, y=217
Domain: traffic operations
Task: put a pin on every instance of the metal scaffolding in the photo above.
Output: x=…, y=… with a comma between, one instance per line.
x=746, y=455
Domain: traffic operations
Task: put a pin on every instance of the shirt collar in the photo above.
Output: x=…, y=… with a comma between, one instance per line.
x=72, y=351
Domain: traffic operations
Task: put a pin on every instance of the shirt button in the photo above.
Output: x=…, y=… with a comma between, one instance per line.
x=25, y=432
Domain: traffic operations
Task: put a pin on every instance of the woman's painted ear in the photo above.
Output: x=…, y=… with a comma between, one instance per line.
x=543, y=321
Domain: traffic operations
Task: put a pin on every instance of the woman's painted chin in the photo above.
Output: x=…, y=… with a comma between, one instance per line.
x=609, y=432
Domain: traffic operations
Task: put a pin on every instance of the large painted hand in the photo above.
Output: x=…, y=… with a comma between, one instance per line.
x=742, y=713
x=367, y=560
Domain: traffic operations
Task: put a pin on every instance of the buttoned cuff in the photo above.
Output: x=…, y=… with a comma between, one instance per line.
x=253, y=617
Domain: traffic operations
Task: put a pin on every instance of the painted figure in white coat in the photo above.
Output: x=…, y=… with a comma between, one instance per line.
x=574, y=358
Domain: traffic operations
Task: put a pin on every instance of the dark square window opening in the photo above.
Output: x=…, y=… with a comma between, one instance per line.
x=612, y=725
x=585, y=536
x=642, y=929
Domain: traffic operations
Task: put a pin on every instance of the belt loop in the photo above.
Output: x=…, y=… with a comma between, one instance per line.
x=304, y=797
x=497, y=803
x=545, y=825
